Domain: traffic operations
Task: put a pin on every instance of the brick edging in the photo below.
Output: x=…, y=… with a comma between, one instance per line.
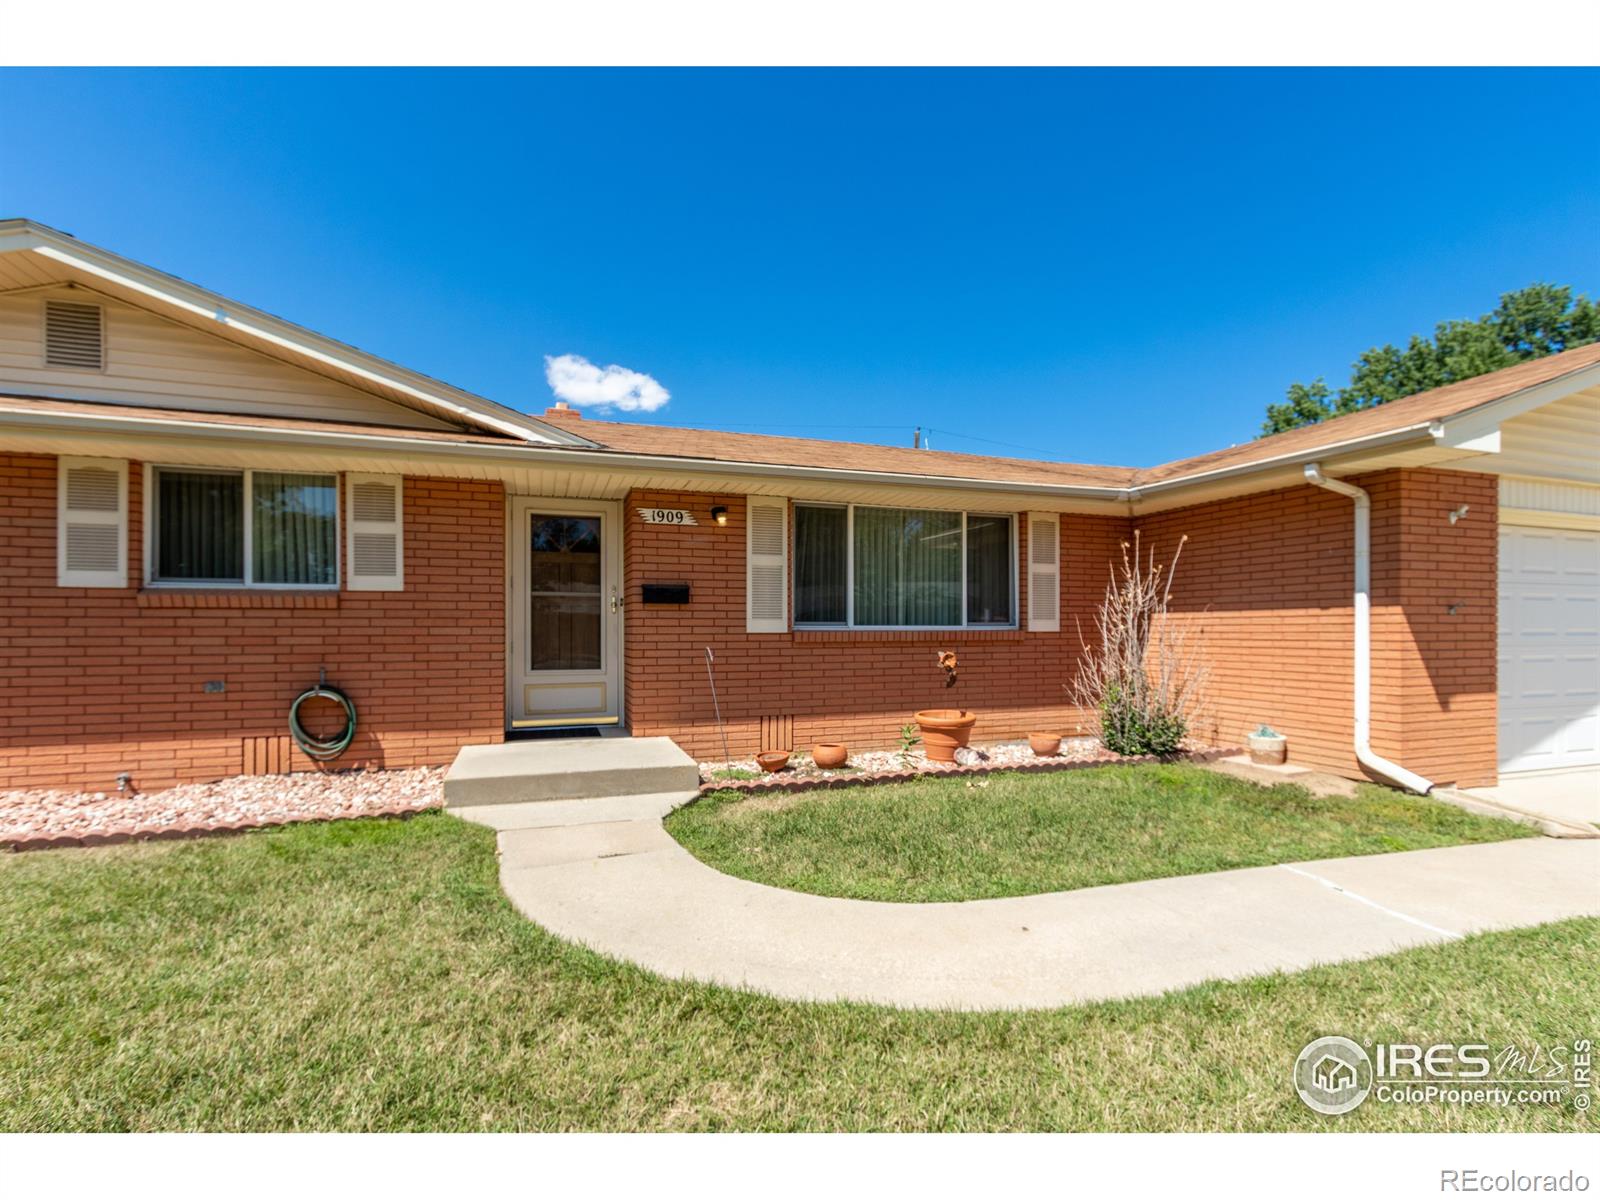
x=119, y=834
x=777, y=783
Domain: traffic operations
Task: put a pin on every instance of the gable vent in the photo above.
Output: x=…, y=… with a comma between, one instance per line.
x=74, y=335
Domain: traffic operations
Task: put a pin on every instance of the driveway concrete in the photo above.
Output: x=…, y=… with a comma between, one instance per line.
x=626, y=889
x=1571, y=796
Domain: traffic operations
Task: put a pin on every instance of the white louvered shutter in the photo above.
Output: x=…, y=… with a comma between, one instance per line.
x=92, y=522
x=377, y=550
x=1044, y=572
x=74, y=335
x=766, y=565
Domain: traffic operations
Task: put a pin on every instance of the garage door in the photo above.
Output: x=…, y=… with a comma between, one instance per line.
x=1549, y=648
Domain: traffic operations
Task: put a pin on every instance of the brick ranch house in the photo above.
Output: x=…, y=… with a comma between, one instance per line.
x=204, y=507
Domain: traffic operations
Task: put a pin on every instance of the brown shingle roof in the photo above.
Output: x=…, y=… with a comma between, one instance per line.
x=803, y=452
x=1448, y=401
x=848, y=456
x=717, y=446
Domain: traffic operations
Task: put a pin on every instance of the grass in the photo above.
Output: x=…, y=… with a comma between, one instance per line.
x=365, y=975
x=955, y=839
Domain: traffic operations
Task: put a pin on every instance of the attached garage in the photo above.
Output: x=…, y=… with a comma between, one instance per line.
x=1549, y=647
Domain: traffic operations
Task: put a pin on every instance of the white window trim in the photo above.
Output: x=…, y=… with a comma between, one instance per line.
x=151, y=534
x=97, y=579
x=850, y=574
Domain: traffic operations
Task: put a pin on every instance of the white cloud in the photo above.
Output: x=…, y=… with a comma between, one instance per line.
x=578, y=381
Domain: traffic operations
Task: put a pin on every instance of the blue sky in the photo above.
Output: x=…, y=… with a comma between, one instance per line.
x=1091, y=265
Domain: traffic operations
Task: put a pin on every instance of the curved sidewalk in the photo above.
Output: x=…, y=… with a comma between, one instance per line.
x=614, y=880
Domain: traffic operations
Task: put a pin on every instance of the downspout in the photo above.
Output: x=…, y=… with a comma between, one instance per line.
x=1378, y=765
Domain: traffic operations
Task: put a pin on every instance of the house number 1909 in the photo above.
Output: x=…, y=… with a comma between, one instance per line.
x=667, y=516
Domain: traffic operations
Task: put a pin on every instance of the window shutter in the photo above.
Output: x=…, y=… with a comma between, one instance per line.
x=377, y=551
x=92, y=522
x=766, y=567
x=74, y=335
x=1044, y=572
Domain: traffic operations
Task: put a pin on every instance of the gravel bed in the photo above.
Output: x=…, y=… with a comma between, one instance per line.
x=62, y=817
x=891, y=766
x=873, y=762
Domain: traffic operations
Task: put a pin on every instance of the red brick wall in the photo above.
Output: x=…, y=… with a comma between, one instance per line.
x=1267, y=580
x=98, y=681
x=835, y=685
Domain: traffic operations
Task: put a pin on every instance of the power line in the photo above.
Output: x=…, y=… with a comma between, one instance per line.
x=968, y=437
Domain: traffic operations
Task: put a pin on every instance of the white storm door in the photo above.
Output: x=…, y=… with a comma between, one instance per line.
x=1549, y=648
x=566, y=613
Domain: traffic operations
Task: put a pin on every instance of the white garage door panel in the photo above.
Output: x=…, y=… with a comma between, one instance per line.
x=1549, y=648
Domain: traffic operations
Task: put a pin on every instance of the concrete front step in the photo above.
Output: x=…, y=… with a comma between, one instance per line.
x=567, y=769
x=555, y=814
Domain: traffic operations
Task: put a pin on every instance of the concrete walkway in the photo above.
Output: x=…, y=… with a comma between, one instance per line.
x=1572, y=797
x=617, y=882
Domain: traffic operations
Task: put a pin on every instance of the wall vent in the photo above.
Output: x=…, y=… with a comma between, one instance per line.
x=74, y=335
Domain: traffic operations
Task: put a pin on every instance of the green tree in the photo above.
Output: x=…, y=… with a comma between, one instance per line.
x=1538, y=320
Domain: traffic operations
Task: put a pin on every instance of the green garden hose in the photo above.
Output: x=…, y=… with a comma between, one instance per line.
x=323, y=749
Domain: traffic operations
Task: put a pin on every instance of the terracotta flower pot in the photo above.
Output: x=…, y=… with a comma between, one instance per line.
x=828, y=755
x=944, y=731
x=1045, y=745
x=773, y=760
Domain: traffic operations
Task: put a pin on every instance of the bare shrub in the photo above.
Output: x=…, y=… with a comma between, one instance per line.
x=1144, y=676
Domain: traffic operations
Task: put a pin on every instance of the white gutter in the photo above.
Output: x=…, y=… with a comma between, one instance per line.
x=1365, y=755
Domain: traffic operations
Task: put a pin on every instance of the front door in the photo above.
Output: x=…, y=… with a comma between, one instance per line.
x=566, y=620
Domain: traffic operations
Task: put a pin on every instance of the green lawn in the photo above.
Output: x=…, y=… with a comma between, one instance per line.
x=370, y=975
x=947, y=839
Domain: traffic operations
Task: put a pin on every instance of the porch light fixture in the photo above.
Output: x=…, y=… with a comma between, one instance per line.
x=719, y=515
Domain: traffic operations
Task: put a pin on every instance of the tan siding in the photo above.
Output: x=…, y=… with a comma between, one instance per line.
x=1558, y=441
x=150, y=361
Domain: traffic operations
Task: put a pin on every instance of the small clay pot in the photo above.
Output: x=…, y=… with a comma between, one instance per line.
x=773, y=760
x=828, y=755
x=1045, y=745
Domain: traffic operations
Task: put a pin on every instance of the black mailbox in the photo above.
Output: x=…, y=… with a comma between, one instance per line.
x=666, y=593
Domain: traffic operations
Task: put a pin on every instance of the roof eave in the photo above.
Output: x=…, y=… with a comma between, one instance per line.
x=575, y=456
x=20, y=234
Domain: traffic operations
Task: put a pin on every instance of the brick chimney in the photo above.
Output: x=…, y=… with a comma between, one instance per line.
x=562, y=409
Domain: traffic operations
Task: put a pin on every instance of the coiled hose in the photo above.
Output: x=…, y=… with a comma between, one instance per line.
x=323, y=749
